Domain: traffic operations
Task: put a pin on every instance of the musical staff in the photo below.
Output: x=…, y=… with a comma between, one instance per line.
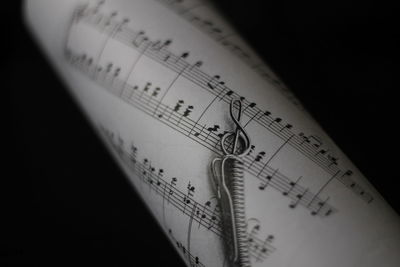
x=214, y=85
x=208, y=138
x=254, y=227
x=203, y=214
x=227, y=40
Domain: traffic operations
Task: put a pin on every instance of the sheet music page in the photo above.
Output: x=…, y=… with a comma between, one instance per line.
x=155, y=78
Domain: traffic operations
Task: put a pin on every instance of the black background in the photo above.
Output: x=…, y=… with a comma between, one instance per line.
x=65, y=202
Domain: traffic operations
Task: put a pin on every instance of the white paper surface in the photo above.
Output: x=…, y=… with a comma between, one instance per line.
x=156, y=78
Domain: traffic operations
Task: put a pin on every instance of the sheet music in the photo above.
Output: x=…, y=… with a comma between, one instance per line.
x=155, y=78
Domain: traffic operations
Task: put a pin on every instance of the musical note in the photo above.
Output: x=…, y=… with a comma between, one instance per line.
x=297, y=200
x=227, y=95
x=198, y=64
x=214, y=82
x=286, y=127
x=276, y=120
x=133, y=154
x=197, y=134
x=321, y=204
x=158, y=45
x=213, y=216
x=201, y=213
x=156, y=92
x=159, y=176
x=188, y=196
x=172, y=185
x=292, y=186
x=265, y=113
x=210, y=130
x=251, y=105
x=186, y=113
x=188, y=110
x=146, y=88
x=315, y=141
x=191, y=189
x=182, y=57
x=333, y=160
x=139, y=39
x=268, y=179
x=150, y=176
x=258, y=158
x=177, y=107
x=110, y=18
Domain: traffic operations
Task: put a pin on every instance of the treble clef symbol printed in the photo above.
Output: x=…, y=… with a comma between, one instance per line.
x=239, y=134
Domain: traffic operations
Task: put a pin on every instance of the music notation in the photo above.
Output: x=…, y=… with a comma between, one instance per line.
x=205, y=136
x=117, y=30
x=193, y=261
x=254, y=226
x=227, y=38
x=157, y=78
x=205, y=215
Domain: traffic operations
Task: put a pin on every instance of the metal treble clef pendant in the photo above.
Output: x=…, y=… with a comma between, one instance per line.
x=228, y=178
x=240, y=133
